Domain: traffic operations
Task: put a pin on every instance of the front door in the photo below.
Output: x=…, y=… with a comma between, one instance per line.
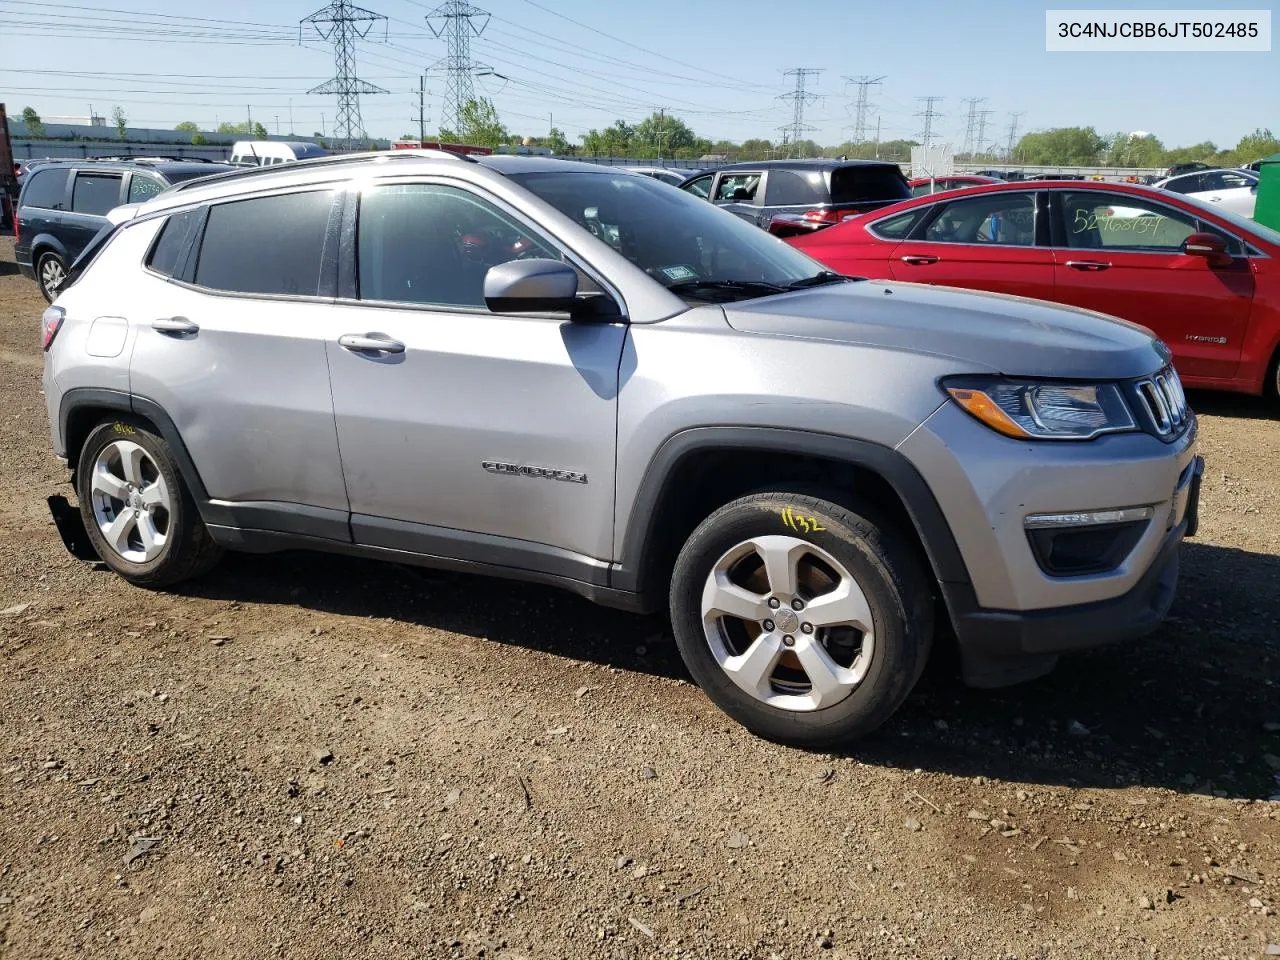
x=1122, y=254
x=472, y=434
x=984, y=242
x=741, y=193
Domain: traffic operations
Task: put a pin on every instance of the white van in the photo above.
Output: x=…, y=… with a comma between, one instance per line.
x=266, y=152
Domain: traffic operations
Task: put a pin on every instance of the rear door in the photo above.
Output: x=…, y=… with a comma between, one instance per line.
x=93, y=193
x=995, y=241
x=233, y=348
x=45, y=195
x=1121, y=254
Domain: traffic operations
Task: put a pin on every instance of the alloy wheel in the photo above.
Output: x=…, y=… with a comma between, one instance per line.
x=788, y=623
x=52, y=274
x=131, y=501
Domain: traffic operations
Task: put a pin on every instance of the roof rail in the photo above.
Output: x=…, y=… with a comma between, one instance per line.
x=337, y=159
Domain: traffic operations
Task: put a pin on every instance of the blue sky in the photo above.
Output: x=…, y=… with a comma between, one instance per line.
x=718, y=64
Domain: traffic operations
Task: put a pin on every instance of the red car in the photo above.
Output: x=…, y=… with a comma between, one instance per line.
x=1205, y=280
x=920, y=186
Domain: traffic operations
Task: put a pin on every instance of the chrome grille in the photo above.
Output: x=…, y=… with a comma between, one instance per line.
x=1165, y=402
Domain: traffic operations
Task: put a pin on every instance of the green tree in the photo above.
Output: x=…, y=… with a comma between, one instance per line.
x=1062, y=146
x=198, y=139
x=478, y=125
x=187, y=126
x=558, y=142
x=1130, y=150
x=1254, y=146
x=246, y=129
x=661, y=134
x=755, y=149
x=1205, y=152
x=120, y=120
x=31, y=120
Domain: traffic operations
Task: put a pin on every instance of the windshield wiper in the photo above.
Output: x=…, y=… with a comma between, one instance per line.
x=756, y=288
x=818, y=280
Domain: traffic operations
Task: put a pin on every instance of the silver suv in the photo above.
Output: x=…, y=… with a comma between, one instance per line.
x=580, y=376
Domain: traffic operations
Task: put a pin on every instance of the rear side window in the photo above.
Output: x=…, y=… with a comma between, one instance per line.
x=95, y=193
x=789, y=188
x=172, y=241
x=267, y=245
x=897, y=227
x=45, y=188
x=859, y=184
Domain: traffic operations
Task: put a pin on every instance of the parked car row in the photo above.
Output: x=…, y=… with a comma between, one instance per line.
x=580, y=376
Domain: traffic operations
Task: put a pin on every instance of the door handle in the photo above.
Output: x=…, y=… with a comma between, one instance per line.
x=362, y=343
x=1091, y=266
x=174, y=325
x=919, y=259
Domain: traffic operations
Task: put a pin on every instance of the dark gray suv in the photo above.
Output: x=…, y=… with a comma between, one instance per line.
x=64, y=203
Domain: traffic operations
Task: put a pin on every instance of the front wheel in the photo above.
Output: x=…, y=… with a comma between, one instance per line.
x=805, y=621
x=137, y=510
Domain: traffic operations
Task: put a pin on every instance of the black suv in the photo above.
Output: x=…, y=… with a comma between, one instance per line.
x=810, y=192
x=64, y=203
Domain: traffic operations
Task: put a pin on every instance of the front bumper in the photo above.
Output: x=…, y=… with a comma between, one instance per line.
x=1001, y=647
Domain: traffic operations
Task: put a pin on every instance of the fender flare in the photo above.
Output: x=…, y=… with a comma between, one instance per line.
x=893, y=467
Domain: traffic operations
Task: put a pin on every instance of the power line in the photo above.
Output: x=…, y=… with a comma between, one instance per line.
x=343, y=22
x=930, y=115
x=861, y=106
x=799, y=97
x=458, y=28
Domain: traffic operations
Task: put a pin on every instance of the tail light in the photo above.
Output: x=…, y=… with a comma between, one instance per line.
x=822, y=215
x=50, y=324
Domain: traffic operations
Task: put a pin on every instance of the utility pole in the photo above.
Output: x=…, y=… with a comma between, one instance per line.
x=981, y=143
x=971, y=123
x=422, y=109
x=877, y=138
x=930, y=115
x=861, y=106
x=291, y=116
x=277, y=116
x=344, y=23
x=249, y=113
x=1013, y=134
x=457, y=28
x=799, y=97
x=662, y=118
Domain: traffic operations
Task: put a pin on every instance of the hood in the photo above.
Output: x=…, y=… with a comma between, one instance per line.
x=986, y=332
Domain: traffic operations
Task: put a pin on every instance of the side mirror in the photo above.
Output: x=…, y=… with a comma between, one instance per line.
x=531, y=286
x=1208, y=245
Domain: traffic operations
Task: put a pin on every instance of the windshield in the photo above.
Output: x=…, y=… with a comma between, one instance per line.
x=675, y=237
x=1250, y=228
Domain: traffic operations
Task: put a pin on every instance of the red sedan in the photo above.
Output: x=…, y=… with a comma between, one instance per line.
x=1204, y=280
x=921, y=186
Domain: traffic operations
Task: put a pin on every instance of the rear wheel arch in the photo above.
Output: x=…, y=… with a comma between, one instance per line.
x=697, y=471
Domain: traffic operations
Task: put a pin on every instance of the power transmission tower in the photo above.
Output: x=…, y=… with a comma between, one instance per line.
x=799, y=97
x=930, y=115
x=981, y=143
x=971, y=123
x=457, y=26
x=344, y=23
x=861, y=107
x=1013, y=134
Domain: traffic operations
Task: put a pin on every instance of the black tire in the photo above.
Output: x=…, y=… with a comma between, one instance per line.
x=188, y=551
x=887, y=570
x=44, y=259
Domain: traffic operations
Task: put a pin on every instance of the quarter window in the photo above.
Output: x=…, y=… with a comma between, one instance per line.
x=95, y=193
x=1123, y=221
x=45, y=189
x=898, y=226
x=788, y=188
x=1003, y=219
x=269, y=245
x=143, y=187
x=700, y=187
x=433, y=244
x=173, y=239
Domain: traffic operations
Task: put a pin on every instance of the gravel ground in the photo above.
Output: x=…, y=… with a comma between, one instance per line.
x=308, y=756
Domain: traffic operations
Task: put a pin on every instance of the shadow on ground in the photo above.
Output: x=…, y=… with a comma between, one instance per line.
x=1237, y=405
x=8, y=268
x=1183, y=709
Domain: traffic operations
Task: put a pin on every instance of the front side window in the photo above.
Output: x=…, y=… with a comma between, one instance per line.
x=143, y=187
x=1123, y=221
x=45, y=189
x=95, y=193
x=738, y=188
x=270, y=245
x=677, y=239
x=433, y=244
x=700, y=187
x=1004, y=219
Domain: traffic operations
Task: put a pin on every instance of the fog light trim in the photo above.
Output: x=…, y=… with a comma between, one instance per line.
x=1086, y=518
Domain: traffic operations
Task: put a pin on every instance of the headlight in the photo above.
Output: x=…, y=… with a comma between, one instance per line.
x=1043, y=410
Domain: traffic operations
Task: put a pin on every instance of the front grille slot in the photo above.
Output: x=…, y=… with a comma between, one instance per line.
x=1165, y=403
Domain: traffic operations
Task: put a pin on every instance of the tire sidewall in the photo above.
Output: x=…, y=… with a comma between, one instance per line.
x=848, y=537
x=127, y=428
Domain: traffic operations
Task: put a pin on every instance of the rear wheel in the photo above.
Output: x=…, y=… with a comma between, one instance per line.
x=804, y=620
x=136, y=508
x=51, y=271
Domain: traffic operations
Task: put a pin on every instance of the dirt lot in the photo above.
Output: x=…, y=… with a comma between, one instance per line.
x=379, y=763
